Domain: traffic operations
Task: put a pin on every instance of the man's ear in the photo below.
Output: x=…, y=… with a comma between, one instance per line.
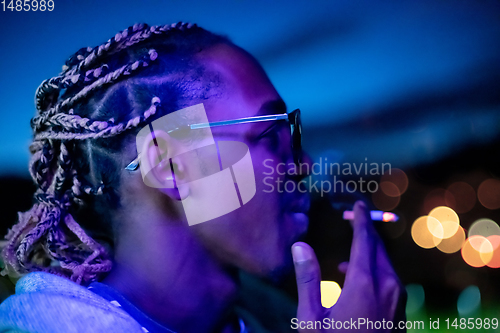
x=156, y=164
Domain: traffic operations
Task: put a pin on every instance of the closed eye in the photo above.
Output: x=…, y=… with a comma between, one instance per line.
x=267, y=132
x=271, y=136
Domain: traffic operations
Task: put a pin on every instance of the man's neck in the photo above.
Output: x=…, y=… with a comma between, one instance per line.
x=168, y=275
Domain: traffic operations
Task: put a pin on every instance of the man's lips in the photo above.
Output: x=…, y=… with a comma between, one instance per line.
x=298, y=208
x=300, y=205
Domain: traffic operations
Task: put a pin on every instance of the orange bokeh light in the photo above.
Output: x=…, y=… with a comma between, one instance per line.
x=454, y=243
x=390, y=189
x=397, y=177
x=438, y=197
x=477, y=251
x=495, y=259
x=488, y=193
x=461, y=197
x=384, y=202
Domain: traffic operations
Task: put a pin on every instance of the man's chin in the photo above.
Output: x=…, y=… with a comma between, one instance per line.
x=280, y=271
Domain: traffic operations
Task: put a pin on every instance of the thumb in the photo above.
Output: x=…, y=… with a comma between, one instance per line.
x=308, y=277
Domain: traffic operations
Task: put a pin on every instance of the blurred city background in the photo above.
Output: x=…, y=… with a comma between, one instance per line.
x=412, y=83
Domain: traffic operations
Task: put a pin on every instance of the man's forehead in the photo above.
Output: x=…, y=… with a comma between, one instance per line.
x=195, y=114
x=240, y=69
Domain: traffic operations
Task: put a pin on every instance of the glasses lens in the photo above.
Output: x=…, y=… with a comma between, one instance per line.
x=296, y=133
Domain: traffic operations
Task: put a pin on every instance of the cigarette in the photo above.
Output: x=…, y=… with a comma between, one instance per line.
x=376, y=215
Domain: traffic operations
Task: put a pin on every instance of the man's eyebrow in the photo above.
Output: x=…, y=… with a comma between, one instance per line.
x=272, y=107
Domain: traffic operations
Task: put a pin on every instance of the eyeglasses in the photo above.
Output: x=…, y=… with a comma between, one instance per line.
x=293, y=119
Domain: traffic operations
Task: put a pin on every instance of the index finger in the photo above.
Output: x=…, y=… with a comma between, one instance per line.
x=364, y=241
x=367, y=249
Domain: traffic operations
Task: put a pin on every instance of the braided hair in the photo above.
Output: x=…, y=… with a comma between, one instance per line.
x=86, y=117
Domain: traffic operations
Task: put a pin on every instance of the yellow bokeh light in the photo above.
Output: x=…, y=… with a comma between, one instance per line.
x=486, y=250
x=454, y=243
x=448, y=219
x=435, y=227
x=477, y=251
x=330, y=293
x=470, y=255
x=424, y=231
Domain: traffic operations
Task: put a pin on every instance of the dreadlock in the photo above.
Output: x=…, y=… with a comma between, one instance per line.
x=85, y=117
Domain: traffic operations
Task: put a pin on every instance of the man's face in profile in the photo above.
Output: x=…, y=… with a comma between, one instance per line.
x=257, y=236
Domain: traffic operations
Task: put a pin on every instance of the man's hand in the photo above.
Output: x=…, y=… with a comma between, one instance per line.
x=371, y=290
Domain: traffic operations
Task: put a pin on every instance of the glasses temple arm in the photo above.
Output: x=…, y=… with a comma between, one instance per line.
x=240, y=121
x=132, y=166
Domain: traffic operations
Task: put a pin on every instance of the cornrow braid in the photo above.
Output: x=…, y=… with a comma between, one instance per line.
x=134, y=34
x=40, y=165
x=83, y=61
x=96, y=129
x=109, y=78
x=85, y=111
x=64, y=166
x=86, y=57
x=67, y=81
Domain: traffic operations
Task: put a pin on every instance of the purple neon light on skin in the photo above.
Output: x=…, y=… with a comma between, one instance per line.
x=376, y=215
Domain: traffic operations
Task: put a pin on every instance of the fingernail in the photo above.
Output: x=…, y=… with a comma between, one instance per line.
x=300, y=253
